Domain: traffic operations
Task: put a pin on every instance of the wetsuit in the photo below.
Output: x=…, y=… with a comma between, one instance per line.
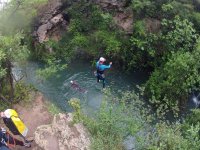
x=3, y=140
x=100, y=72
x=75, y=86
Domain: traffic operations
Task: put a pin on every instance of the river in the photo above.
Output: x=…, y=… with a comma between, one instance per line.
x=58, y=88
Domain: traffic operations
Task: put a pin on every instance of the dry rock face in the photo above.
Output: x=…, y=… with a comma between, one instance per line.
x=111, y=4
x=125, y=21
x=50, y=22
x=62, y=135
x=123, y=17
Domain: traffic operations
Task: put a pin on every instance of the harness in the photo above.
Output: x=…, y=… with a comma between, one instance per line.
x=99, y=72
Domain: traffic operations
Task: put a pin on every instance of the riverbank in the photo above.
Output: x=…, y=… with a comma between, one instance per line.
x=34, y=114
x=49, y=129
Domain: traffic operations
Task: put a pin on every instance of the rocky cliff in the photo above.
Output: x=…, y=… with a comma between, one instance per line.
x=52, y=21
x=62, y=134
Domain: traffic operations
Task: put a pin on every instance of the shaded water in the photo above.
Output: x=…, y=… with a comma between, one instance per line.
x=58, y=88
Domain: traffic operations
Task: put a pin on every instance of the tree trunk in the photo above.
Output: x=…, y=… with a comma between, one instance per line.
x=10, y=79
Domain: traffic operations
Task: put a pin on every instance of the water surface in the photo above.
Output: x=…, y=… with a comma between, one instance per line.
x=58, y=88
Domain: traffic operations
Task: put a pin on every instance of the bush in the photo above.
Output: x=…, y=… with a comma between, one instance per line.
x=114, y=121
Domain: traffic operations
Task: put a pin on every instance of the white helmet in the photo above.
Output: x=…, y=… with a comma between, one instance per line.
x=71, y=82
x=102, y=59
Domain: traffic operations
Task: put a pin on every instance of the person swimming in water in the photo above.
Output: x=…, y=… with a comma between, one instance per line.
x=76, y=86
x=100, y=70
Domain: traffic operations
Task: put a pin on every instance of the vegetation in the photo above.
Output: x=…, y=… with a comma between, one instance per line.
x=15, y=23
x=115, y=121
x=165, y=40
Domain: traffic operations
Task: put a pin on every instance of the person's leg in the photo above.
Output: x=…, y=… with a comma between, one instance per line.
x=14, y=141
x=26, y=142
x=98, y=78
x=104, y=82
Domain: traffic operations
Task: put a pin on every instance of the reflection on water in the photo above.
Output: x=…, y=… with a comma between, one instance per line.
x=58, y=88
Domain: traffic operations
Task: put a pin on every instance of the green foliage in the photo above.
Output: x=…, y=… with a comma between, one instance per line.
x=75, y=104
x=79, y=41
x=116, y=118
x=4, y=105
x=169, y=136
x=18, y=15
x=170, y=84
x=92, y=31
x=21, y=92
x=173, y=8
x=178, y=34
x=89, y=17
x=12, y=48
x=107, y=41
x=52, y=66
x=142, y=6
x=2, y=59
x=196, y=20
x=191, y=119
x=53, y=109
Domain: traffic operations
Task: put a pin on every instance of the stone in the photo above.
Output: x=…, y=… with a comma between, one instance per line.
x=62, y=134
x=125, y=21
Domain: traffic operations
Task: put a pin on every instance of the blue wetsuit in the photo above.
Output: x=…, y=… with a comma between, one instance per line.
x=100, y=72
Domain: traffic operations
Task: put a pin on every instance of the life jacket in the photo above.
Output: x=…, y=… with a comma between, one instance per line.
x=14, y=123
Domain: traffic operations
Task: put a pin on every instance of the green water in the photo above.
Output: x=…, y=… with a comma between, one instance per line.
x=58, y=88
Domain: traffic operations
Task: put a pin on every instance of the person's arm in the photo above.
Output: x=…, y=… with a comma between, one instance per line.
x=97, y=64
x=106, y=66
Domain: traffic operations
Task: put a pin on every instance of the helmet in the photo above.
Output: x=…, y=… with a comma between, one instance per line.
x=71, y=82
x=102, y=59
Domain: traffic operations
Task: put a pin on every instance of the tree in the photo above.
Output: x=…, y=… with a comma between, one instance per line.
x=11, y=50
x=169, y=86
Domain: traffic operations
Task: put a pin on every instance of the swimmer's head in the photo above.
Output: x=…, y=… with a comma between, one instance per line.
x=71, y=82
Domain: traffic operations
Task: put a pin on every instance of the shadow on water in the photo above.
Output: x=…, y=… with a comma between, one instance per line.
x=58, y=88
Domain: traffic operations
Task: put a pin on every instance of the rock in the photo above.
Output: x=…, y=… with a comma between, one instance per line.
x=152, y=25
x=50, y=21
x=42, y=32
x=62, y=135
x=111, y=4
x=123, y=17
x=125, y=21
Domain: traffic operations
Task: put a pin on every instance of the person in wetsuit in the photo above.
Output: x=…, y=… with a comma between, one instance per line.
x=100, y=70
x=76, y=86
x=7, y=140
x=14, y=124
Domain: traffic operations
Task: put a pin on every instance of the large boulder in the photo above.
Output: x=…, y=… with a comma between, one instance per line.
x=62, y=134
x=51, y=21
x=124, y=20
